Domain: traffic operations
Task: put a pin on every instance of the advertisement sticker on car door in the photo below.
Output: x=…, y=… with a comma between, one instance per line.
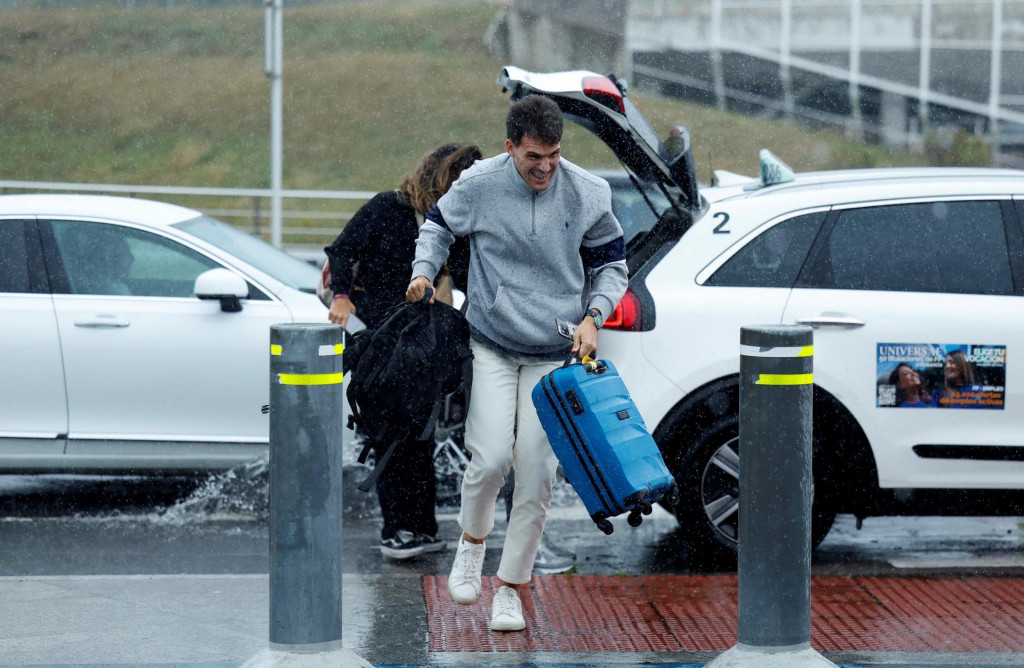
x=935, y=375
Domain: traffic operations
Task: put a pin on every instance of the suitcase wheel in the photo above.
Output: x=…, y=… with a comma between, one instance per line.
x=645, y=507
x=635, y=519
x=673, y=496
x=605, y=526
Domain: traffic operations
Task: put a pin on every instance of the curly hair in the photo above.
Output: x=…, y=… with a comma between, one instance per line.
x=435, y=174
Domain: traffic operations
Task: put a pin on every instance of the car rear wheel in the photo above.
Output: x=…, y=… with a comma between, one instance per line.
x=709, y=479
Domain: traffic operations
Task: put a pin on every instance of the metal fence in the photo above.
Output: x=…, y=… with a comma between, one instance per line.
x=311, y=219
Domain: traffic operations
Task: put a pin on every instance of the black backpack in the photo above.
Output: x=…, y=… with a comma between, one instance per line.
x=400, y=373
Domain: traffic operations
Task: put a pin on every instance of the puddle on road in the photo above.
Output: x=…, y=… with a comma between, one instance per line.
x=239, y=494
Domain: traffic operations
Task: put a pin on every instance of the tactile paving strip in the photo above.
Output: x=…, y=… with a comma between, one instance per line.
x=671, y=613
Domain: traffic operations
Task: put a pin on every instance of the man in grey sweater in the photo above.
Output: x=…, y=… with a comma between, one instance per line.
x=544, y=245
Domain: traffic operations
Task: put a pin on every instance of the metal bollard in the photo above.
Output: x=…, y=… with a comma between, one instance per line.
x=305, y=498
x=776, y=490
x=776, y=398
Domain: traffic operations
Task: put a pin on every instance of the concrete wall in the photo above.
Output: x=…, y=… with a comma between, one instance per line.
x=552, y=35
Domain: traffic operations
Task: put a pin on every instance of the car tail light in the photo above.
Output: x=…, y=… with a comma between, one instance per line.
x=626, y=315
x=603, y=90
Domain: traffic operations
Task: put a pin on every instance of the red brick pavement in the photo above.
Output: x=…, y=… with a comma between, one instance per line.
x=671, y=613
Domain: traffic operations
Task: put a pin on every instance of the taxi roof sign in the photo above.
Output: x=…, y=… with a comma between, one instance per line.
x=773, y=170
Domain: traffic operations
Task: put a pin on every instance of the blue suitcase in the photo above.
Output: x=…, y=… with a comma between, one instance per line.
x=600, y=439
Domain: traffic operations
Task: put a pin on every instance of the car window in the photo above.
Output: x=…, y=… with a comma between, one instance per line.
x=774, y=258
x=286, y=268
x=956, y=247
x=13, y=257
x=102, y=259
x=632, y=210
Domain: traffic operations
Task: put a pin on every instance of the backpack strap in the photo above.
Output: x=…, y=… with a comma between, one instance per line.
x=435, y=412
x=379, y=466
x=365, y=452
x=355, y=419
x=428, y=432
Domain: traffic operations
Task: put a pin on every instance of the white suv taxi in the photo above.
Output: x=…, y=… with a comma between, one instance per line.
x=913, y=280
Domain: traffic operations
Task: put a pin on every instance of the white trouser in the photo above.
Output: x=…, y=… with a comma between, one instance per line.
x=502, y=430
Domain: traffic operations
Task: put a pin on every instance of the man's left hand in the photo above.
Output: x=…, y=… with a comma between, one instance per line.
x=584, y=341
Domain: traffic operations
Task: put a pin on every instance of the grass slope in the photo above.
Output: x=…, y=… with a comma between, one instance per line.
x=177, y=96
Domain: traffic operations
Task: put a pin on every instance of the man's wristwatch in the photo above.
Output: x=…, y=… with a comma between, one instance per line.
x=596, y=315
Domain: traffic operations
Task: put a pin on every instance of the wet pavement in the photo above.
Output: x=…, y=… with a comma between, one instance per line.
x=186, y=585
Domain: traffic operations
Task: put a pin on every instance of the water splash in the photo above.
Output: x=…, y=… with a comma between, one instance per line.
x=241, y=493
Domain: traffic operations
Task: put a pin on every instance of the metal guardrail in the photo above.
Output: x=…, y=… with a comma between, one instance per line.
x=857, y=43
x=305, y=234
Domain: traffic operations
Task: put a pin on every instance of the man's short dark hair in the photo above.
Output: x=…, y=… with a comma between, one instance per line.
x=536, y=116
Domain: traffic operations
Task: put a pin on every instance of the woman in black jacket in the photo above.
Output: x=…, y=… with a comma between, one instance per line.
x=381, y=238
x=369, y=267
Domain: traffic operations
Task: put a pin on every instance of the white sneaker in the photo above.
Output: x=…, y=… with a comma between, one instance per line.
x=507, y=611
x=464, y=581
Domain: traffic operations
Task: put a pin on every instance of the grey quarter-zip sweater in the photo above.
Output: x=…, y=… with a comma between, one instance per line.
x=534, y=256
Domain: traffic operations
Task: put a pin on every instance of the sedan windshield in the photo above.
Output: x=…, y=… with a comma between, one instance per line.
x=290, y=270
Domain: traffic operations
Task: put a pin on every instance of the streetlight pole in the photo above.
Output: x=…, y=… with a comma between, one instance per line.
x=273, y=59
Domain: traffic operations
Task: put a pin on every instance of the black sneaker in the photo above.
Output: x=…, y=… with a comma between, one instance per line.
x=403, y=545
x=431, y=543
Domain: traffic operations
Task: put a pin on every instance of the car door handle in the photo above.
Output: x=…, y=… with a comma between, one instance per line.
x=845, y=322
x=103, y=322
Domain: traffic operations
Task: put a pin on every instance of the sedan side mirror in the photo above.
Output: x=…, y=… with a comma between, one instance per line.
x=224, y=285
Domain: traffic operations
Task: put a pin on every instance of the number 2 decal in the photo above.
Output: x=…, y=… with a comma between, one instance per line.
x=720, y=228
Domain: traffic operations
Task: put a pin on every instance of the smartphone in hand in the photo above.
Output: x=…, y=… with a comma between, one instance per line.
x=566, y=329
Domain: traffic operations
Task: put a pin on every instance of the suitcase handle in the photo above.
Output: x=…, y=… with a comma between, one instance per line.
x=591, y=365
x=567, y=329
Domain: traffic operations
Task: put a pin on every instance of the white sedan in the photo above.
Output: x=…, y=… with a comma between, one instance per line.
x=136, y=335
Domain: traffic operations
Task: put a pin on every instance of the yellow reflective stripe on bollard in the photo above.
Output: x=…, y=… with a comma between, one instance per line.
x=785, y=379
x=310, y=378
x=335, y=349
x=790, y=351
x=275, y=349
